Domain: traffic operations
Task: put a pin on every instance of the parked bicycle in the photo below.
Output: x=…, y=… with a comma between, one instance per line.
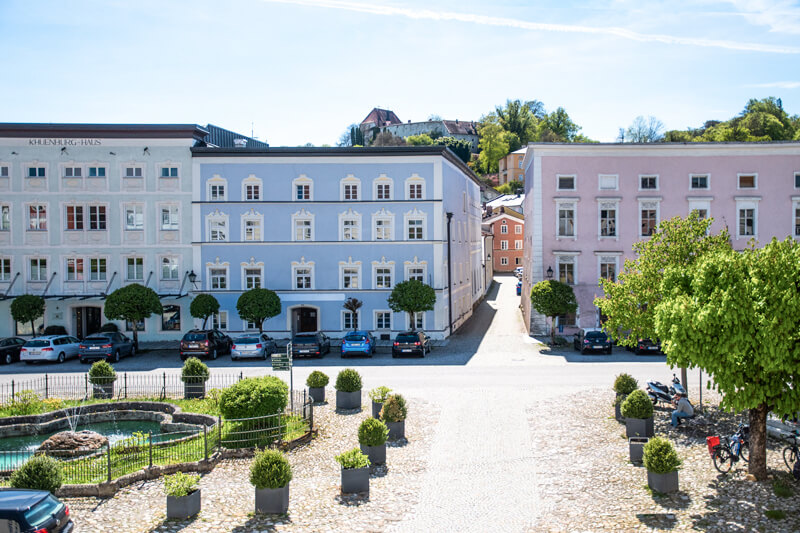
x=728, y=451
x=791, y=452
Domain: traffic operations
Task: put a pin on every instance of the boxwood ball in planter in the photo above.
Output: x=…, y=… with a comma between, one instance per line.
x=316, y=382
x=183, y=495
x=624, y=384
x=394, y=414
x=638, y=412
x=378, y=395
x=372, y=435
x=194, y=376
x=355, y=471
x=662, y=462
x=270, y=474
x=102, y=376
x=348, y=389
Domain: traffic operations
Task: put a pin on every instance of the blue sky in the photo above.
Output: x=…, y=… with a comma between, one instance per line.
x=301, y=70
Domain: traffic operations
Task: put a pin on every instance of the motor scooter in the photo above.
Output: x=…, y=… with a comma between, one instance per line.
x=658, y=392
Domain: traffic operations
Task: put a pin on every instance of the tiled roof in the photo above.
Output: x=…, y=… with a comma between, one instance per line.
x=382, y=117
x=460, y=128
x=222, y=138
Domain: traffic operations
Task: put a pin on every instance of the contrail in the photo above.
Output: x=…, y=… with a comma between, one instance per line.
x=778, y=85
x=428, y=14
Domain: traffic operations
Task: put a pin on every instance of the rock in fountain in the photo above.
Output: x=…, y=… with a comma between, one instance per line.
x=70, y=443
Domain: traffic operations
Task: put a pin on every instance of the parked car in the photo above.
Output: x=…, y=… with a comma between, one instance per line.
x=261, y=346
x=519, y=288
x=9, y=349
x=310, y=344
x=518, y=272
x=411, y=343
x=358, y=342
x=33, y=511
x=50, y=348
x=590, y=339
x=205, y=343
x=646, y=346
x=110, y=346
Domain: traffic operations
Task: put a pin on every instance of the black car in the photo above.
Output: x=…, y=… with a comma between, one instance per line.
x=109, y=346
x=647, y=346
x=411, y=343
x=205, y=343
x=33, y=511
x=588, y=339
x=310, y=344
x=9, y=349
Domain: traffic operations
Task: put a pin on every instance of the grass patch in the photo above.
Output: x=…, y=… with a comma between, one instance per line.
x=781, y=489
x=775, y=514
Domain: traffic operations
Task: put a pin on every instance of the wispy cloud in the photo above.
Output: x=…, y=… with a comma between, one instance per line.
x=778, y=85
x=781, y=16
x=484, y=20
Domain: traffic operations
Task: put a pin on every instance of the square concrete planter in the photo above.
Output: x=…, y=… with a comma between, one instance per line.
x=355, y=479
x=272, y=501
x=348, y=400
x=663, y=483
x=397, y=430
x=103, y=391
x=376, y=409
x=376, y=454
x=639, y=427
x=317, y=394
x=194, y=390
x=183, y=507
x=636, y=448
x=618, y=406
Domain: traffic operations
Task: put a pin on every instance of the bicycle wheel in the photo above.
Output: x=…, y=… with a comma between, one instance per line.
x=744, y=452
x=723, y=459
x=790, y=456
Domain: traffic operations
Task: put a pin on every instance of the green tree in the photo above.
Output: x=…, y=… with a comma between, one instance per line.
x=203, y=306
x=510, y=188
x=736, y=315
x=552, y=298
x=353, y=305
x=27, y=308
x=558, y=126
x=423, y=139
x=493, y=144
x=518, y=118
x=461, y=147
x=385, y=138
x=133, y=303
x=257, y=305
x=412, y=297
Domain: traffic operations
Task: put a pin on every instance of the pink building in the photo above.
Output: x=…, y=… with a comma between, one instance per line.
x=586, y=204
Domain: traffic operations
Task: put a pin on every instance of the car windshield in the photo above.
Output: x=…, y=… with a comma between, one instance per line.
x=246, y=340
x=407, y=338
x=355, y=337
x=305, y=338
x=42, y=511
x=97, y=339
x=37, y=344
x=599, y=335
x=194, y=337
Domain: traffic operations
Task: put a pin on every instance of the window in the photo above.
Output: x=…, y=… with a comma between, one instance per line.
x=217, y=191
x=5, y=218
x=135, y=270
x=252, y=192
x=747, y=181
x=699, y=181
x=415, y=229
x=701, y=205
x=252, y=230
x=74, y=217
x=171, y=318
x=518, y=245
x=567, y=320
x=24, y=328
x=517, y=261
x=383, y=277
x=37, y=172
x=504, y=261
x=566, y=220
x=350, y=277
x=97, y=172
x=5, y=269
x=97, y=217
x=608, y=268
x=133, y=172
x=97, y=269
x=504, y=245
x=169, y=218
x=37, y=218
x=747, y=222
x=303, y=188
x=38, y=269
x=252, y=278
x=219, y=320
x=351, y=192
x=608, y=182
x=797, y=180
x=415, y=187
x=134, y=218
x=4, y=173
x=218, y=229
x=349, y=320
x=518, y=229
x=383, y=191
x=219, y=278
x=566, y=183
x=415, y=272
x=648, y=217
x=797, y=219
x=169, y=268
x=169, y=172
x=383, y=229
x=504, y=227
x=608, y=220
x=383, y=320
x=350, y=229
x=419, y=321
x=648, y=183
x=74, y=269
x=139, y=325
x=566, y=273
x=302, y=230
x=72, y=172
x=302, y=277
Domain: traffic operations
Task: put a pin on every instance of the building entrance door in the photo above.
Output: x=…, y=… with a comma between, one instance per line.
x=87, y=321
x=304, y=320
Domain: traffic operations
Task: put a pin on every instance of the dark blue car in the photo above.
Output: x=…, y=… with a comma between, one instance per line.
x=33, y=511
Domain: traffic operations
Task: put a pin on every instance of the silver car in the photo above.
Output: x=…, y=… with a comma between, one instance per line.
x=50, y=348
x=256, y=345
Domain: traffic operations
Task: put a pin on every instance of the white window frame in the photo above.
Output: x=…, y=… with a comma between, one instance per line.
x=504, y=261
x=350, y=181
x=375, y=314
x=564, y=258
x=416, y=264
x=415, y=214
x=76, y=220
x=350, y=265
x=415, y=179
x=747, y=203
x=248, y=270
x=303, y=216
x=219, y=320
x=605, y=204
x=608, y=258
x=214, y=219
x=503, y=245
x=795, y=224
x=383, y=179
x=252, y=181
x=797, y=180
x=5, y=269
x=97, y=167
x=356, y=228
x=739, y=181
x=302, y=179
x=138, y=213
x=517, y=229
x=173, y=217
x=173, y=264
x=700, y=175
x=383, y=215
x=216, y=181
x=136, y=259
x=383, y=264
x=420, y=320
x=574, y=182
x=613, y=178
x=5, y=217
x=649, y=203
x=97, y=220
x=657, y=178
x=251, y=216
x=169, y=166
x=518, y=244
x=68, y=171
x=567, y=203
x=98, y=274
x=39, y=219
x=503, y=227
x=296, y=267
x=5, y=170
x=700, y=202
x=38, y=166
x=136, y=168
x=78, y=269
x=39, y=260
x=222, y=273
x=347, y=314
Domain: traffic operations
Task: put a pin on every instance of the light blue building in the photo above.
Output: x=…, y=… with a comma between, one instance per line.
x=320, y=225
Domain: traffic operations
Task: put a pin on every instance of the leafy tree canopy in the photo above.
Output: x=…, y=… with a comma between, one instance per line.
x=412, y=296
x=133, y=303
x=510, y=187
x=423, y=139
x=461, y=147
x=27, y=308
x=257, y=305
x=552, y=298
x=203, y=306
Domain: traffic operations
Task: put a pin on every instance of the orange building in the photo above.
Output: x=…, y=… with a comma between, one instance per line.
x=510, y=167
x=508, y=228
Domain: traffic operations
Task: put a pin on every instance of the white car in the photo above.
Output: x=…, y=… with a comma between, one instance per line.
x=518, y=272
x=50, y=348
x=255, y=345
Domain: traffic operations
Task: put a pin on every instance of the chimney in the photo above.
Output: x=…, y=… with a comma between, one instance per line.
x=240, y=143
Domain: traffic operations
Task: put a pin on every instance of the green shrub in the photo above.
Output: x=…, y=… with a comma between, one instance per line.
x=372, y=432
x=660, y=456
x=625, y=384
x=379, y=394
x=270, y=470
x=40, y=472
x=102, y=373
x=353, y=459
x=637, y=405
x=213, y=396
x=194, y=371
x=317, y=379
x=180, y=484
x=25, y=402
x=394, y=409
x=254, y=397
x=348, y=380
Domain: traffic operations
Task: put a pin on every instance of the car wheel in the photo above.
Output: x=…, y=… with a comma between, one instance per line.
x=394, y=355
x=116, y=356
x=214, y=353
x=583, y=352
x=61, y=358
x=133, y=351
x=609, y=350
x=8, y=359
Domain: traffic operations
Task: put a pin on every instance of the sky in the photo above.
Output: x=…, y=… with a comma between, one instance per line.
x=300, y=71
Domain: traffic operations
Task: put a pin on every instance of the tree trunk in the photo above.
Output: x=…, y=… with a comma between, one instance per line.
x=411, y=321
x=204, y=322
x=135, y=335
x=758, y=442
x=261, y=326
x=552, y=331
x=33, y=330
x=685, y=380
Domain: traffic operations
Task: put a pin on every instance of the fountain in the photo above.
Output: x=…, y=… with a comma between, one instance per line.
x=71, y=443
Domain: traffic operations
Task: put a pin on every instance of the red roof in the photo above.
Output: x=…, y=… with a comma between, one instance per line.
x=382, y=117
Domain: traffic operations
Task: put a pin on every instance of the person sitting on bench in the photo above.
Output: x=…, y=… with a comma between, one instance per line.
x=683, y=409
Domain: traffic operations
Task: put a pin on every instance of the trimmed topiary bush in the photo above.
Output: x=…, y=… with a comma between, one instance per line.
x=394, y=409
x=179, y=484
x=353, y=459
x=317, y=379
x=102, y=373
x=270, y=470
x=625, y=384
x=40, y=472
x=348, y=380
x=379, y=394
x=637, y=405
x=660, y=456
x=372, y=432
x=254, y=397
x=194, y=371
